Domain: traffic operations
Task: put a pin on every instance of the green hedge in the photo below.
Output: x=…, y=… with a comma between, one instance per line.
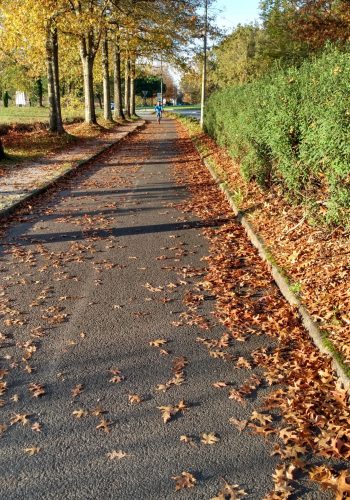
x=292, y=127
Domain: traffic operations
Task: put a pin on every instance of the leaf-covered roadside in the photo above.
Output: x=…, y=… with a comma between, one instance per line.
x=315, y=259
x=314, y=408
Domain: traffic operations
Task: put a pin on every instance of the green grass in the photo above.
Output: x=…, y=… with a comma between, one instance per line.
x=33, y=114
x=13, y=114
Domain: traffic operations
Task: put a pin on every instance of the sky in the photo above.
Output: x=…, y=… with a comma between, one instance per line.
x=237, y=11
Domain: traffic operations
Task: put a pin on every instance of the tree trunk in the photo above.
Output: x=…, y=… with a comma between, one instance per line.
x=107, y=113
x=56, y=76
x=99, y=98
x=132, y=88
x=118, y=100
x=2, y=152
x=51, y=82
x=39, y=88
x=127, y=87
x=87, y=59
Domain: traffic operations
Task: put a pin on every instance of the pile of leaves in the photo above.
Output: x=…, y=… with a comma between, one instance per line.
x=315, y=258
x=305, y=391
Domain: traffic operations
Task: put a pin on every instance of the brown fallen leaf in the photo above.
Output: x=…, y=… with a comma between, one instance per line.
x=163, y=387
x=209, y=438
x=37, y=390
x=188, y=440
x=328, y=479
x=28, y=368
x=181, y=406
x=167, y=412
x=117, y=455
x=237, y=396
x=264, y=430
x=239, y=424
x=261, y=418
x=134, y=399
x=20, y=419
x=179, y=364
x=32, y=450
x=77, y=390
x=186, y=480
x=80, y=413
x=243, y=363
x=230, y=492
x=104, y=425
x=220, y=385
x=96, y=412
x=158, y=342
x=36, y=427
x=343, y=484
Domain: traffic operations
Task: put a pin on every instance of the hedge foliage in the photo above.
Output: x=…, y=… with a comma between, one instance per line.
x=292, y=127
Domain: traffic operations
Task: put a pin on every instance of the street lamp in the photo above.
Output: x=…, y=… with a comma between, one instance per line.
x=204, y=73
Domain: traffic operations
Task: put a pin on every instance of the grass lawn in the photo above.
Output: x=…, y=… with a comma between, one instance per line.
x=14, y=114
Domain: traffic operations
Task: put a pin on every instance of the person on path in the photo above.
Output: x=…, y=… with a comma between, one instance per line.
x=159, y=110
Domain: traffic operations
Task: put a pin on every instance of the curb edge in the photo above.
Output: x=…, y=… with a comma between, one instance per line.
x=309, y=324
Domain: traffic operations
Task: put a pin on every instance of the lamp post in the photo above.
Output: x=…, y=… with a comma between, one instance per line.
x=204, y=73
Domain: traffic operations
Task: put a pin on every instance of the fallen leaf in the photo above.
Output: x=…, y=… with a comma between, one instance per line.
x=36, y=426
x=186, y=480
x=239, y=424
x=37, y=390
x=209, y=438
x=167, y=412
x=77, y=390
x=157, y=342
x=220, y=385
x=188, y=440
x=134, y=399
x=117, y=455
x=104, y=425
x=20, y=419
x=230, y=492
x=80, y=413
x=32, y=451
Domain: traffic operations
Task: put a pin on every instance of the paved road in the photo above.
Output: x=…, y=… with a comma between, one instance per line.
x=194, y=113
x=90, y=277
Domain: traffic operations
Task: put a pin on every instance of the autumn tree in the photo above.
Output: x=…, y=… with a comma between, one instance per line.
x=30, y=36
x=86, y=23
x=317, y=22
x=278, y=43
x=237, y=58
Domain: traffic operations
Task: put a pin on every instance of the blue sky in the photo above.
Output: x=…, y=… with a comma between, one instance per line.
x=237, y=11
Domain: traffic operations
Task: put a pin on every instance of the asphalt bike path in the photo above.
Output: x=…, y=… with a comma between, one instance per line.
x=94, y=348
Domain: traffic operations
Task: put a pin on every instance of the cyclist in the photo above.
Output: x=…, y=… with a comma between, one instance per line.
x=159, y=110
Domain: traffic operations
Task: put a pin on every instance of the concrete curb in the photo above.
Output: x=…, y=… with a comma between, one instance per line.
x=61, y=175
x=282, y=283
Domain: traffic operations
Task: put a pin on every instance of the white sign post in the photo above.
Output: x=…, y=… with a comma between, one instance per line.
x=20, y=98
